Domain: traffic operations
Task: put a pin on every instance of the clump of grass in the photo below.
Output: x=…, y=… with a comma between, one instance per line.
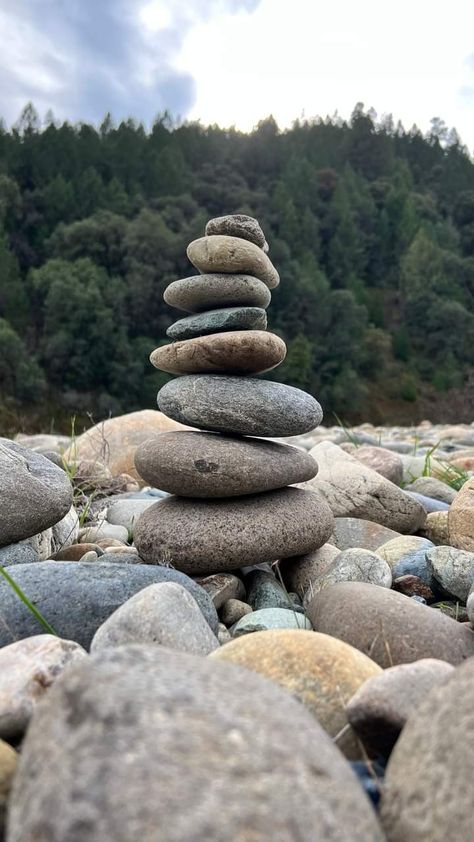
x=347, y=432
x=21, y=595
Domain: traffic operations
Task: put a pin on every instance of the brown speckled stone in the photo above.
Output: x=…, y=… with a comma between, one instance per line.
x=233, y=352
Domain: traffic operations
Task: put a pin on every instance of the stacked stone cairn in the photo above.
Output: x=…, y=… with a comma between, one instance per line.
x=233, y=502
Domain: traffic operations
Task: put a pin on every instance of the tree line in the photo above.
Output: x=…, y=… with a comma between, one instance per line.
x=370, y=225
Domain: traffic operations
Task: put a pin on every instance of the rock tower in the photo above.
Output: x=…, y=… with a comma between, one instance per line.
x=231, y=504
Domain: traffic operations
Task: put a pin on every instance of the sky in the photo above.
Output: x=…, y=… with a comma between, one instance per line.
x=234, y=62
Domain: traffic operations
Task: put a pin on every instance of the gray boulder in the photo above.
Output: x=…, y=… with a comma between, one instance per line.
x=77, y=597
x=143, y=743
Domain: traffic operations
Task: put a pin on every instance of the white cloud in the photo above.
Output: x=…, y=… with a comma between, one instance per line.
x=312, y=58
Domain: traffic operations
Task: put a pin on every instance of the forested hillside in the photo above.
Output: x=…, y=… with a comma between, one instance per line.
x=370, y=226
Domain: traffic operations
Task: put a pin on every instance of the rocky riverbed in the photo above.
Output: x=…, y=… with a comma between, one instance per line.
x=233, y=685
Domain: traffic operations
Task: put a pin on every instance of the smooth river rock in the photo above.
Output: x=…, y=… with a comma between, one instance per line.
x=208, y=536
x=461, y=518
x=427, y=795
x=77, y=597
x=217, y=321
x=194, y=464
x=322, y=672
x=204, y=292
x=237, y=225
x=221, y=253
x=354, y=490
x=141, y=743
x=240, y=405
x=389, y=627
x=34, y=495
x=231, y=352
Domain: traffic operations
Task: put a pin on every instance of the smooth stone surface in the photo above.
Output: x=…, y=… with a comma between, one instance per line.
x=28, y=668
x=380, y=708
x=17, y=554
x=205, y=536
x=91, y=534
x=8, y=765
x=221, y=587
x=121, y=555
x=389, y=627
x=321, y=672
x=300, y=571
x=453, y=569
x=233, y=610
x=204, y=292
x=354, y=490
x=434, y=488
x=164, y=614
x=436, y=528
x=126, y=512
x=221, y=253
x=470, y=607
x=270, y=618
x=355, y=565
x=379, y=459
x=97, y=765
x=114, y=441
x=461, y=518
x=403, y=548
x=265, y=591
x=429, y=504
x=34, y=494
x=76, y=597
x=215, y=321
x=237, y=225
x=237, y=352
x=350, y=532
x=239, y=405
x=428, y=792
x=195, y=464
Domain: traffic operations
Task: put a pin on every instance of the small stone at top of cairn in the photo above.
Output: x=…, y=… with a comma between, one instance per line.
x=232, y=506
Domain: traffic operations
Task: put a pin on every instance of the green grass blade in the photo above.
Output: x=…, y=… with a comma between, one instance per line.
x=27, y=602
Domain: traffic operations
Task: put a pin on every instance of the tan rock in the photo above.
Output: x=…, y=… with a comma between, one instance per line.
x=350, y=532
x=222, y=587
x=220, y=253
x=436, y=528
x=75, y=552
x=113, y=442
x=380, y=459
x=353, y=490
x=27, y=669
x=320, y=671
x=8, y=763
x=461, y=518
x=233, y=352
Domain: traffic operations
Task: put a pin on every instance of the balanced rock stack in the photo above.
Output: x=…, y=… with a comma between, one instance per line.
x=231, y=505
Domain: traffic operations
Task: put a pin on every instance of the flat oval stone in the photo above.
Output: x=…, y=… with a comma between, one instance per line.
x=203, y=292
x=220, y=253
x=215, y=321
x=237, y=225
x=235, y=352
x=209, y=536
x=240, y=405
x=194, y=464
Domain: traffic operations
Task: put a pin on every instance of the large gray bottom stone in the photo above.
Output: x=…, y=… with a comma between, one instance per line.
x=241, y=405
x=77, y=597
x=140, y=743
x=209, y=536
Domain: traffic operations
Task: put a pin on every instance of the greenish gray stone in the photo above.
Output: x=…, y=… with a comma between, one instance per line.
x=264, y=591
x=218, y=321
x=270, y=618
x=239, y=405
